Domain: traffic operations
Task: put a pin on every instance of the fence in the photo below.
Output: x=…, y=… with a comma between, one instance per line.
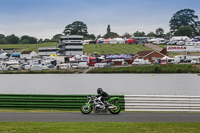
x=161, y=103
x=127, y=102
x=66, y=102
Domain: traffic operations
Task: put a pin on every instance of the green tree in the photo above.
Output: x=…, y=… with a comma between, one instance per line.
x=89, y=37
x=99, y=36
x=2, y=39
x=168, y=35
x=46, y=40
x=139, y=34
x=24, y=41
x=76, y=28
x=184, y=17
x=198, y=27
x=126, y=34
x=33, y=40
x=2, y=36
x=12, y=39
x=108, y=29
x=151, y=34
x=40, y=40
x=56, y=38
x=159, y=32
x=111, y=34
x=184, y=31
x=28, y=40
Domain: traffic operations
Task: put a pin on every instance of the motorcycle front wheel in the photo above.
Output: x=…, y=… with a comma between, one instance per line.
x=86, y=109
x=116, y=110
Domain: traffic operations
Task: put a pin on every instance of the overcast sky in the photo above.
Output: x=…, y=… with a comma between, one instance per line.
x=45, y=18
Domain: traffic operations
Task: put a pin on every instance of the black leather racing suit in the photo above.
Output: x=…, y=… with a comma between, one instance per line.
x=104, y=95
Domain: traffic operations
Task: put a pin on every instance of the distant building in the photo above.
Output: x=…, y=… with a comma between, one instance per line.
x=71, y=45
x=47, y=51
x=148, y=55
x=28, y=54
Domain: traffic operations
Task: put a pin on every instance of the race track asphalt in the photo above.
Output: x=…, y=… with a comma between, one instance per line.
x=103, y=117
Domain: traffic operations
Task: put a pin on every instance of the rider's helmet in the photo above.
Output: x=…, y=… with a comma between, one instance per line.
x=99, y=90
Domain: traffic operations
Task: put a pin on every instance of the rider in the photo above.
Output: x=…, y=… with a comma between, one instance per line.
x=104, y=95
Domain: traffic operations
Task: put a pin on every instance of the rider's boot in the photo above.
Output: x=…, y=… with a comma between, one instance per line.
x=106, y=106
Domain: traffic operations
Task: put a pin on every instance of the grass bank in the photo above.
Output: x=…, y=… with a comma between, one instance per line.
x=41, y=72
x=96, y=127
x=27, y=47
x=186, y=68
x=113, y=48
x=89, y=48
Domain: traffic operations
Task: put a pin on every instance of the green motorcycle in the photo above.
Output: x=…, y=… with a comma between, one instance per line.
x=96, y=104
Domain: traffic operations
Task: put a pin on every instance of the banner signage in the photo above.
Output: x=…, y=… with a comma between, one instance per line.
x=183, y=48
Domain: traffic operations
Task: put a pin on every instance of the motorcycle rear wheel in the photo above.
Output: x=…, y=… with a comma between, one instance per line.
x=85, y=109
x=116, y=110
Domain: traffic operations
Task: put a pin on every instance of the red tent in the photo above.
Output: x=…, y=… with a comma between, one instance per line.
x=130, y=41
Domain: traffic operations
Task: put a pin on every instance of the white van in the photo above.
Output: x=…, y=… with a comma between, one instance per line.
x=141, y=62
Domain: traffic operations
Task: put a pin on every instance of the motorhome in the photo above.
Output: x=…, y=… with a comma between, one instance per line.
x=11, y=65
x=197, y=43
x=166, y=60
x=3, y=55
x=159, y=41
x=195, y=60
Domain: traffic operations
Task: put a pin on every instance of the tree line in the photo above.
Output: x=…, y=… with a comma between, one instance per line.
x=183, y=23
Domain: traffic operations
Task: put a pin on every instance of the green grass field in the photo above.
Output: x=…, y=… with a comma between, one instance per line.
x=28, y=47
x=97, y=127
x=113, y=48
x=89, y=48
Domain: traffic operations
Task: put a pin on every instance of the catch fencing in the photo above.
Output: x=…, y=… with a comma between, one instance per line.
x=63, y=102
x=162, y=103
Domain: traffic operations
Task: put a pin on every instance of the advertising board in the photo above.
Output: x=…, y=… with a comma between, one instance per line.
x=183, y=48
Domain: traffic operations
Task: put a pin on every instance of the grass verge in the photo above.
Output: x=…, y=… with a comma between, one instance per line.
x=41, y=72
x=96, y=127
x=173, y=68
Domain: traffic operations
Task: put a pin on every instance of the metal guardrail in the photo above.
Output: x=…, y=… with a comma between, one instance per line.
x=65, y=102
x=162, y=103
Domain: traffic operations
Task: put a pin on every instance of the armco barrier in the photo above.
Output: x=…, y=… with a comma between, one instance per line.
x=66, y=102
x=162, y=103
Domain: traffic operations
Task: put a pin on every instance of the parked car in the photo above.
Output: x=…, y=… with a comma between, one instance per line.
x=100, y=65
x=44, y=67
x=110, y=63
x=180, y=43
x=75, y=66
x=36, y=68
x=62, y=66
x=27, y=67
x=83, y=65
